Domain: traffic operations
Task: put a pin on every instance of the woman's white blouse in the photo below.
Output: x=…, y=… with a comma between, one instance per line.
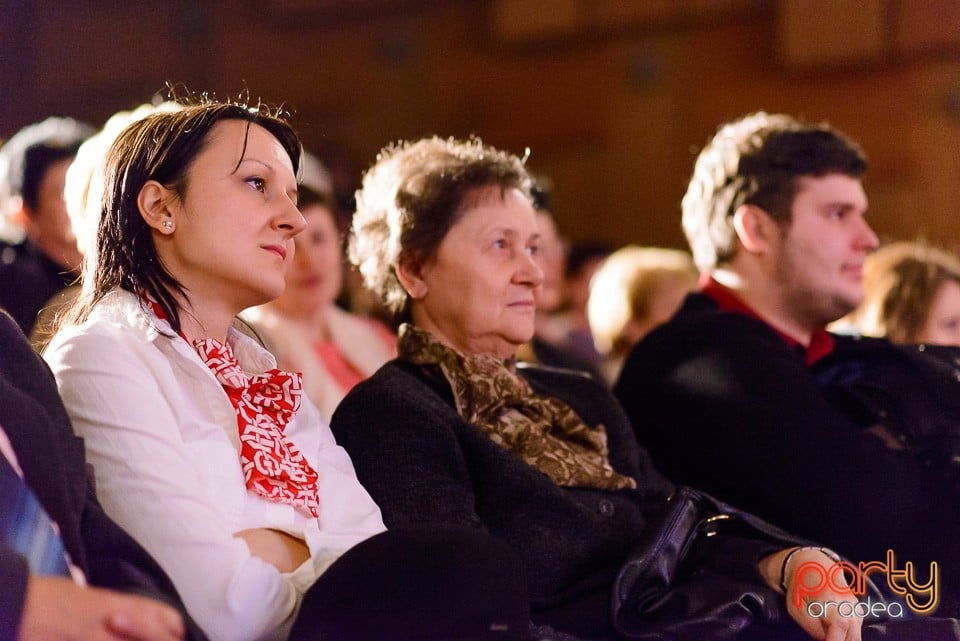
x=162, y=437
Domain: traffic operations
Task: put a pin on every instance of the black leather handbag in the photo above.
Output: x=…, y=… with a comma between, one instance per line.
x=668, y=588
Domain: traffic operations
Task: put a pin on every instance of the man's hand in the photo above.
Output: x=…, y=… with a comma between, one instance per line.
x=831, y=626
x=58, y=609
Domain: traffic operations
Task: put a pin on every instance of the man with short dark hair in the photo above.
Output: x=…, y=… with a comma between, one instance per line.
x=745, y=394
x=33, y=166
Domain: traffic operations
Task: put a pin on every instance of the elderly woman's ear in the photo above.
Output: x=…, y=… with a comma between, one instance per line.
x=409, y=273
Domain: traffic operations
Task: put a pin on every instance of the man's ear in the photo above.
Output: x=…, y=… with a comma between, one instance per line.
x=410, y=275
x=754, y=228
x=155, y=204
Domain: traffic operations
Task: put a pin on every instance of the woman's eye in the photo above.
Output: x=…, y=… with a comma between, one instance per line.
x=500, y=243
x=257, y=183
x=533, y=250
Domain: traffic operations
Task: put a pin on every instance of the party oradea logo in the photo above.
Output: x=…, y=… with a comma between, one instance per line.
x=812, y=579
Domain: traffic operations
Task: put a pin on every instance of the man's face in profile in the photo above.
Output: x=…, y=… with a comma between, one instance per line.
x=820, y=254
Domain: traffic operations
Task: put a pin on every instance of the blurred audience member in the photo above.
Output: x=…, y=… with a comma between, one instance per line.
x=551, y=255
x=40, y=258
x=583, y=261
x=550, y=345
x=635, y=290
x=82, y=191
x=912, y=295
x=304, y=327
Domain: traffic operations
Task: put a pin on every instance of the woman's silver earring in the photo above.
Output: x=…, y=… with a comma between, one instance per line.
x=168, y=226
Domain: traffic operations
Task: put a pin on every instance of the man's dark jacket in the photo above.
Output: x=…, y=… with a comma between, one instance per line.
x=28, y=280
x=54, y=467
x=723, y=403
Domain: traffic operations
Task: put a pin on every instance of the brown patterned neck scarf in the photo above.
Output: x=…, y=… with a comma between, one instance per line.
x=543, y=431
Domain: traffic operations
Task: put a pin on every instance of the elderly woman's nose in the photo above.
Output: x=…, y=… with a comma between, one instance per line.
x=529, y=270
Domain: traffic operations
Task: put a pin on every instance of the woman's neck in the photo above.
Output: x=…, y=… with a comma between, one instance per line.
x=205, y=320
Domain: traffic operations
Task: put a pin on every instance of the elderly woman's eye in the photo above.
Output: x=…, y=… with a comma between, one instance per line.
x=257, y=183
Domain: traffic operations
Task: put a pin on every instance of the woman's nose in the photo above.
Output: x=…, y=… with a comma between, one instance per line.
x=530, y=270
x=290, y=218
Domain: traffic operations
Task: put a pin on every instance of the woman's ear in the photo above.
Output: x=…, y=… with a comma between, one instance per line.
x=753, y=227
x=410, y=275
x=154, y=202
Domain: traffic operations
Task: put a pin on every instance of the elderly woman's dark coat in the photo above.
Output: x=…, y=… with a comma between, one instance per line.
x=423, y=463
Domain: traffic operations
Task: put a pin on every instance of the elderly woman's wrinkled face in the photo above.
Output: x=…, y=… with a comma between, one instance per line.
x=478, y=294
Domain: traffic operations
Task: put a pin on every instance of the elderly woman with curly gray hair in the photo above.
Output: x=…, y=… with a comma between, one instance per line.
x=456, y=431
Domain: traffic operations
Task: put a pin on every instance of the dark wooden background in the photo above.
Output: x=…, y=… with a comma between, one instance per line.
x=613, y=97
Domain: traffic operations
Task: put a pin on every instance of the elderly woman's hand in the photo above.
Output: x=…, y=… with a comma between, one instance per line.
x=780, y=570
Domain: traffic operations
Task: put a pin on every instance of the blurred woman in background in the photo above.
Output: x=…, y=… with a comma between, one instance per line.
x=912, y=295
x=304, y=327
x=635, y=290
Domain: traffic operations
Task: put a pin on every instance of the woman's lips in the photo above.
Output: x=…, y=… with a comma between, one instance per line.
x=279, y=250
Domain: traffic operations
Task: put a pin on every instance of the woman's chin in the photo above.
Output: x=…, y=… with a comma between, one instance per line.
x=268, y=293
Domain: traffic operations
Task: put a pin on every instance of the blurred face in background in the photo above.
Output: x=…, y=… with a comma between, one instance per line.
x=943, y=319
x=47, y=225
x=551, y=256
x=315, y=277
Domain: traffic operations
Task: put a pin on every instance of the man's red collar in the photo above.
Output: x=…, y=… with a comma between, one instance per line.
x=821, y=342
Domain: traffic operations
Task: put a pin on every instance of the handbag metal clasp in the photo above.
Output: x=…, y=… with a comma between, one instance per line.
x=709, y=526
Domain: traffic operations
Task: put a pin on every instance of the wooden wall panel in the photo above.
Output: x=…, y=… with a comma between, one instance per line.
x=927, y=25
x=614, y=111
x=518, y=20
x=817, y=32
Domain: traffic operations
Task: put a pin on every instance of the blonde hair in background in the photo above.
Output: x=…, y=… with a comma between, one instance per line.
x=83, y=187
x=83, y=194
x=900, y=282
x=623, y=291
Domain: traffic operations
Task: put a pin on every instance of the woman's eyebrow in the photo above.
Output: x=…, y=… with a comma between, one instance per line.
x=247, y=159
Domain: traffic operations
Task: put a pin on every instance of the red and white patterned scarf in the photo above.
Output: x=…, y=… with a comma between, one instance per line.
x=273, y=465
